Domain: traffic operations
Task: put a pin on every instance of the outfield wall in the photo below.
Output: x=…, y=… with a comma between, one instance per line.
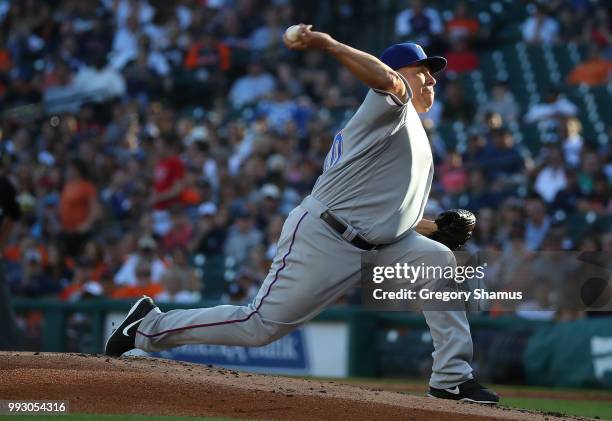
x=350, y=341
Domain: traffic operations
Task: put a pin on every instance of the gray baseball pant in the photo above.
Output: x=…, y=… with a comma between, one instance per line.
x=313, y=267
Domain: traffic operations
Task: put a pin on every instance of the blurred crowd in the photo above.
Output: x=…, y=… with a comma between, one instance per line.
x=145, y=135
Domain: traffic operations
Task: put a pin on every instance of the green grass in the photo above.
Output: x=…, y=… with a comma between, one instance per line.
x=95, y=417
x=582, y=408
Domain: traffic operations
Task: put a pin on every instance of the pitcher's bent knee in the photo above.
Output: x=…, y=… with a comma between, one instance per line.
x=268, y=331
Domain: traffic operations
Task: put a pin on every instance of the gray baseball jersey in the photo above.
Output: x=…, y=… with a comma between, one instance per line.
x=378, y=172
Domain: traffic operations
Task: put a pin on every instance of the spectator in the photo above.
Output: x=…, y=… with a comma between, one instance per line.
x=82, y=285
x=571, y=25
x=538, y=223
x=191, y=195
x=418, y=23
x=485, y=232
x=179, y=234
x=145, y=71
x=476, y=194
x=256, y=84
x=502, y=102
x=174, y=290
x=452, y=174
x=501, y=156
x=279, y=110
x=456, y=106
x=235, y=35
x=549, y=113
x=168, y=181
x=242, y=236
x=269, y=35
x=208, y=237
x=550, y=180
x=144, y=285
x=125, y=43
x=78, y=208
x=257, y=263
x=35, y=282
x=208, y=55
x=139, y=10
x=58, y=90
x=269, y=204
x=598, y=200
x=540, y=28
x=589, y=171
x=116, y=196
x=147, y=249
x=243, y=290
x=510, y=267
x=460, y=58
x=462, y=25
x=200, y=157
x=475, y=151
x=594, y=71
x=599, y=30
x=512, y=220
x=572, y=141
x=99, y=82
x=56, y=267
x=95, y=253
x=272, y=234
x=180, y=281
x=22, y=89
x=567, y=199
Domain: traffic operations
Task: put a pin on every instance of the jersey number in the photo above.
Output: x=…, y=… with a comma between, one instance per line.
x=335, y=152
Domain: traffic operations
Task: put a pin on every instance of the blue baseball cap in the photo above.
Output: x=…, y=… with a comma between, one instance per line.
x=407, y=53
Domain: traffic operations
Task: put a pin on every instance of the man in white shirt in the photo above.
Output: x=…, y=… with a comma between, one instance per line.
x=551, y=179
x=146, y=250
x=252, y=86
x=540, y=28
x=549, y=113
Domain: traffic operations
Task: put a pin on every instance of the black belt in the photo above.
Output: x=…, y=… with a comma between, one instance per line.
x=340, y=227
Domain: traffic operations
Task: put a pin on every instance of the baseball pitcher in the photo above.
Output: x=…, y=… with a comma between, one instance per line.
x=367, y=203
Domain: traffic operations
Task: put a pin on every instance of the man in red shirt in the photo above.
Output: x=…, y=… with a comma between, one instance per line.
x=460, y=57
x=168, y=175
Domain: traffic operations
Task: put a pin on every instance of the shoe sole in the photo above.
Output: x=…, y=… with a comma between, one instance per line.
x=465, y=400
x=132, y=310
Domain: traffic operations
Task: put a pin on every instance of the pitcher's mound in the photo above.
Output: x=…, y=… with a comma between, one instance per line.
x=139, y=385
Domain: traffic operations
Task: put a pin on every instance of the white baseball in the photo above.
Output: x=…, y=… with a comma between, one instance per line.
x=292, y=32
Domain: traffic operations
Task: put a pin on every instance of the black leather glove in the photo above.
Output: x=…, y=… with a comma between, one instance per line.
x=455, y=227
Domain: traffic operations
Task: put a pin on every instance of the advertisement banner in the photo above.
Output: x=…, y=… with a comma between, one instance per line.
x=286, y=355
x=572, y=354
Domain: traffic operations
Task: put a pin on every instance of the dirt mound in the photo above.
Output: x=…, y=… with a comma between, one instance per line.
x=138, y=385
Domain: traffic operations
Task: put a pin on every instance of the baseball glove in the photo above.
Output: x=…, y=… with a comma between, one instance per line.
x=455, y=227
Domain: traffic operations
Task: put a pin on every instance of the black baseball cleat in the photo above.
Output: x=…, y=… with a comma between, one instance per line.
x=124, y=336
x=469, y=391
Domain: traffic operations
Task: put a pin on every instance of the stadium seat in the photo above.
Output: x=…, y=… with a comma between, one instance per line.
x=216, y=271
